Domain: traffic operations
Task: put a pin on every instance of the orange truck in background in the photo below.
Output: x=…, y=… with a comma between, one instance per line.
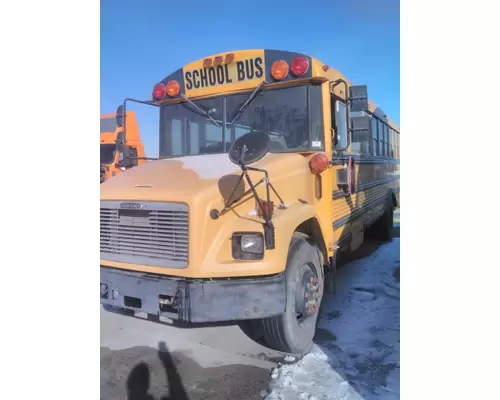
x=112, y=162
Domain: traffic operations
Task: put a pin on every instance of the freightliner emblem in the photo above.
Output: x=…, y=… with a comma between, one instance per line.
x=132, y=206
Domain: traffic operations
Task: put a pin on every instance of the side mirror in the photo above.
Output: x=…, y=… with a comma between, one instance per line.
x=120, y=141
x=346, y=179
x=119, y=116
x=342, y=178
x=124, y=160
x=358, y=98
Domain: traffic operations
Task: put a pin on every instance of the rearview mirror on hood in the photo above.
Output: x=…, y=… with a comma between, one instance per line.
x=249, y=148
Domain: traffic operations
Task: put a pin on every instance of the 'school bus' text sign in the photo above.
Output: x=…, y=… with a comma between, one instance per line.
x=241, y=73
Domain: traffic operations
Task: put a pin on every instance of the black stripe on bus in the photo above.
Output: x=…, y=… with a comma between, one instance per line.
x=364, y=159
x=359, y=211
x=340, y=194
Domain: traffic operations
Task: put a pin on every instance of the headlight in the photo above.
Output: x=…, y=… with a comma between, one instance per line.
x=248, y=246
x=252, y=244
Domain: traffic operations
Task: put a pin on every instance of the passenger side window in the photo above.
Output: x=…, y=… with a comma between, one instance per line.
x=392, y=138
x=386, y=140
x=376, y=132
x=360, y=144
x=398, y=148
x=380, y=138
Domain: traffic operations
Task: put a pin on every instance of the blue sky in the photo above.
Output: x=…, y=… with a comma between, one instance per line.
x=143, y=41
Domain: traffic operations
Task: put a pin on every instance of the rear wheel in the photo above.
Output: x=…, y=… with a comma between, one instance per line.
x=383, y=228
x=387, y=222
x=293, y=331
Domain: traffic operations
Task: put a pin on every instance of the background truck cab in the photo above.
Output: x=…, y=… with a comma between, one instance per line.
x=111, y=160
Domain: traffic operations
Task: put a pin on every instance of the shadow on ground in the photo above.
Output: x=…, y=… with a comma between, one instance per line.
x=145, y=373
x=371, y=364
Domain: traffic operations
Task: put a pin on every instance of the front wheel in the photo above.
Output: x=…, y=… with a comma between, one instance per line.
x=293, y=331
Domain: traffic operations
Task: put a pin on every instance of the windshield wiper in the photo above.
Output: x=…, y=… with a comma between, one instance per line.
x=201, y=110
x=245, y=105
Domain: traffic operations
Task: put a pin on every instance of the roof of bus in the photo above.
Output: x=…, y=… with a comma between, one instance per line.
x=133, y=134
x=333, y=74
x=317, y=70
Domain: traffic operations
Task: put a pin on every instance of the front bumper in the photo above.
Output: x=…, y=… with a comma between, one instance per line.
x=193, y=300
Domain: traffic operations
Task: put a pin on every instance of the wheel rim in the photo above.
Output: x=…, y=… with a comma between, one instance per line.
x=307, y=294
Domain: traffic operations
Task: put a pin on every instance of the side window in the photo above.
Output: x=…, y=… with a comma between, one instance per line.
x=380, y=138
x=375, y=137
x=398, y=148
x=341, y=124
x=133, y=154
x=391, y=143
x=359, y=144
x=386, y=140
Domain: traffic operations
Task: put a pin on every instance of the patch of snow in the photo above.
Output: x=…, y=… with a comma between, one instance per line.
x=253, y=212
x=209, y=166
x=309, y=378
x=289, y=358
x=356, y=351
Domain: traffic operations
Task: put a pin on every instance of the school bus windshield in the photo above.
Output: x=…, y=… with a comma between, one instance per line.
x=291, y=116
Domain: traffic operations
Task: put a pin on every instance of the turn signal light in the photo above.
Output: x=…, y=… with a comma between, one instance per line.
x=173, y=88
x=318, y=163
x=279, y=70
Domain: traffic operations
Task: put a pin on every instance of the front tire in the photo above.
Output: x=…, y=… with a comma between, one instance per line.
x=293, y=331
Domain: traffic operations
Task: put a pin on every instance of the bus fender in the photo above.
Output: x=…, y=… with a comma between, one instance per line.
x=299, y=220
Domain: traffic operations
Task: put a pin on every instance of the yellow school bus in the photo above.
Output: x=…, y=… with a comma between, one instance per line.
x=112, y=162
x=270, y=164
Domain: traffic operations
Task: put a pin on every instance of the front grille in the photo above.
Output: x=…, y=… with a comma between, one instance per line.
x=153, y=234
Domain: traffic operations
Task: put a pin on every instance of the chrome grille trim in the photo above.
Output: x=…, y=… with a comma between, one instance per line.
x=145, y=233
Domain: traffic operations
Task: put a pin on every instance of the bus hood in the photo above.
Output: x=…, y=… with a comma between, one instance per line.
x=204, y=179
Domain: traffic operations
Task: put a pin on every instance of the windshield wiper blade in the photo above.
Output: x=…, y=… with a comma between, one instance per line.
x=245, y=105
x=201, y=110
